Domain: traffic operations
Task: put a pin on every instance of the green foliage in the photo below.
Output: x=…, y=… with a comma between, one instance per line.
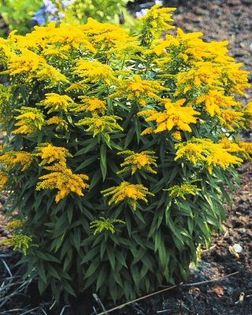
x=100, y=10
x=117, y=151
x=18, y=14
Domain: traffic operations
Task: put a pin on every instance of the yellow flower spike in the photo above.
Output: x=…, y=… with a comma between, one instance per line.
x=208, y=153
x=26, y=63
x=246, y=148
x=58, y=121
x=29, y=121
x=158, y=19
x=32, y=65
x=110, y=38
x=139, y=89
x=230, y=146
x=236, y=78
x=215, y=100
x=182, y=190
x=177, y=135
x=202, y=74
x=147, y=131
x=221, y=158
x=174, y=116
x=103, y=125
x=194, y=152
x=3, y=180
x=127, y=192
x=64, y=180
x=16, y=158
x=20, y=242
x=133, y=162
x=56, y=102
x=231, y=119
x=51, y=75
x=15, y=225
x=91, y=104
x=50, y=153
x=94, y=71
x=104, y=224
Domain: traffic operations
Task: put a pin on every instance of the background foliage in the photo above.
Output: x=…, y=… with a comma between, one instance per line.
x=18, y=14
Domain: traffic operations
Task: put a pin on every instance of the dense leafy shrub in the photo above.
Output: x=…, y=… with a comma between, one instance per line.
x=117, y=150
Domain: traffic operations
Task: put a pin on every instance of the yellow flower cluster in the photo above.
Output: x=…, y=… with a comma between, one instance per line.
x=50, y=153
x=15, y=224
x=139, y=89
x=33, y=66
x=58, y=121
x=174, y=116
x=12, y=159
x=133, y=162
x=19, y=242
x=158, y=19
x=205, y=151
x=183, y=190
x=29, y=121
x=103, y=125
x=111, y=39
x=64, y=180
x=215, y=101
x=91, y=104
x=127, y=192
x=94, y=71
x=104, y=224
x=56, y=102
x=3, y=180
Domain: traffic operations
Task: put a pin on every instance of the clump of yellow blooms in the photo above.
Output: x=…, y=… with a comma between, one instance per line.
x=174, y=116
x=3, y=180
x=97, y=121
x=15, y=224
x=56, y=102
x=29, y=120
x=12, y=159
x=91, y=104
x=105, y=224
x=207, y=152
x=20, y=242
x=133, y=162
x=183, y=190
x=100, y=125
x=57, y=121
x=128, y=192
x=93, y=71
x=64, y=180
x=50, y=153
x=216, y=100
x=139, y=89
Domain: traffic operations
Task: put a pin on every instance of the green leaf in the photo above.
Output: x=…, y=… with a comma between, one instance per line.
x=101, y=277
x=103, y=160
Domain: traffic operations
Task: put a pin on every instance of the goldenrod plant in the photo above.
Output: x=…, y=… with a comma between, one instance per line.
x=118, y=151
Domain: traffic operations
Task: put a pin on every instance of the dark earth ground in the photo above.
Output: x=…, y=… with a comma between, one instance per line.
x=202, y=294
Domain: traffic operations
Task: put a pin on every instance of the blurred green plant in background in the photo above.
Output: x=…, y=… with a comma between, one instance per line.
x=23, y=15
x=17, y=15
